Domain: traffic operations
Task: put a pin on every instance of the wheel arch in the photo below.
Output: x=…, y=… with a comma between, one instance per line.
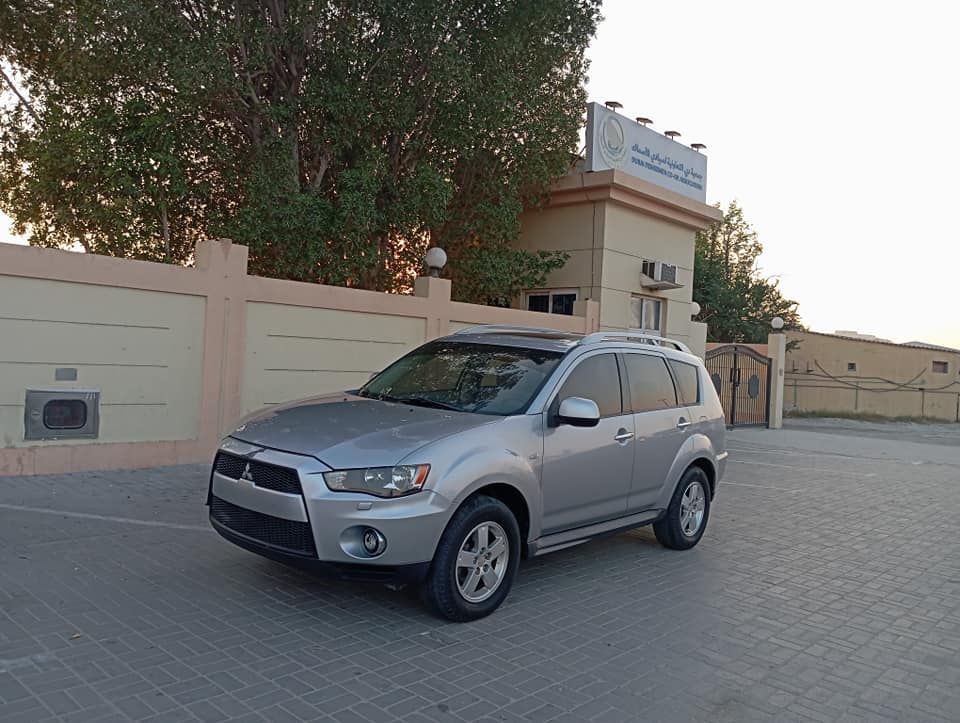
x=515, y=501
x=708, y=469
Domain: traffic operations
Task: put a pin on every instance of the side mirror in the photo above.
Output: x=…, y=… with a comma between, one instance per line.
x=579, y=412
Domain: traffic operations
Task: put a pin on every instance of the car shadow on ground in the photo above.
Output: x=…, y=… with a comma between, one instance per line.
x=620, y=553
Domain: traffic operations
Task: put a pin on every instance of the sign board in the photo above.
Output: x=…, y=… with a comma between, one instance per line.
x=614, y=141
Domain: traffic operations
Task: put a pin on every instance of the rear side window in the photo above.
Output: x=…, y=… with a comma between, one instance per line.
x=596, y=378
x=688, y=381
x=651, y=386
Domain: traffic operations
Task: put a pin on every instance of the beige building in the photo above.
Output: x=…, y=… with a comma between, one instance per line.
x=833, y=373
x=631, y=247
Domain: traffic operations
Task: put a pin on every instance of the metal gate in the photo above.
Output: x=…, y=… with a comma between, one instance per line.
x=742, y=379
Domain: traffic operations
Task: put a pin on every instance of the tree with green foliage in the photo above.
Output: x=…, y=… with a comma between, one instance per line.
x=338, y=139
x=736, y=301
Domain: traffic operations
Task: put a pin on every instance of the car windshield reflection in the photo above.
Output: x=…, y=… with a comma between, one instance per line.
x=465, y=377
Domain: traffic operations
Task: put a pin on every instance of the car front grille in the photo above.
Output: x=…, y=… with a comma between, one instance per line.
x=268, y=476
x=291, y=535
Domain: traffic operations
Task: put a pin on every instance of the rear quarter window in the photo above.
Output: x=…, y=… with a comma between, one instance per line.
x=688, y=381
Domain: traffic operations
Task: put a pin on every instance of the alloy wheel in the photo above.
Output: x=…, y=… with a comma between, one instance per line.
x=482, y=562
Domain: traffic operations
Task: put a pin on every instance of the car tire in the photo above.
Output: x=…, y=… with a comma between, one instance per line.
x=462, y=593
x=686, y=518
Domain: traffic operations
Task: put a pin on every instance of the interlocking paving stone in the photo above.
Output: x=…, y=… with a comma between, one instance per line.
x=827, y=588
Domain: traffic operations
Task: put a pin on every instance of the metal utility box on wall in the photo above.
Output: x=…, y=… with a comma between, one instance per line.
x=61, y=414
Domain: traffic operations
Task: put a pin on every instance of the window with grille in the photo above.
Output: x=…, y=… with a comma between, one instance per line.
x=552, y=301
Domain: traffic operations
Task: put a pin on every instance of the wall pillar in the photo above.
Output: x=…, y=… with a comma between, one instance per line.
x=777, y=351
x=225, y=269
x=590, y=311
x=697, y=341
x=437, y=292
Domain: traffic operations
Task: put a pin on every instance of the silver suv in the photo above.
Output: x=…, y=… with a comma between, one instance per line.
x=474, y=451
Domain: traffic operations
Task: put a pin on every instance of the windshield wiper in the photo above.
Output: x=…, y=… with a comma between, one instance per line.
x=424, y=402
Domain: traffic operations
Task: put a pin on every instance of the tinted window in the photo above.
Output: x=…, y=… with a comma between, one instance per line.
x=596, y=378
x=650, y=384
x=481, y=378
x=688, y=381
x=563, y=303
x=538, y=302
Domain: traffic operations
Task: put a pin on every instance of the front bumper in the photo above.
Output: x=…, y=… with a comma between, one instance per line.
x=297, y=520
x=366, y=572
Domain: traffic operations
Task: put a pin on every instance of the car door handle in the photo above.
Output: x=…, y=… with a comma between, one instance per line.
x=683, y=423
x=624, y=436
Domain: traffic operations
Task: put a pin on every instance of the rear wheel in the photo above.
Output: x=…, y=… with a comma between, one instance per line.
x=686, y=518
x=476, y=561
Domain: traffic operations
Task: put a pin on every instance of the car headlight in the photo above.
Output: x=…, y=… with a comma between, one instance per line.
x=379, y=481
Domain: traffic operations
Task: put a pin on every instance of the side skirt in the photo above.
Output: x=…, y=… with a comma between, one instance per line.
x=579, y=535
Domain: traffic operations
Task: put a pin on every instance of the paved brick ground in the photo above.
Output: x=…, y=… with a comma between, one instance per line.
x=827, y=588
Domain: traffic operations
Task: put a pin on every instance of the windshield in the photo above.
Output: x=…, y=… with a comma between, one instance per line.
x=479, y=378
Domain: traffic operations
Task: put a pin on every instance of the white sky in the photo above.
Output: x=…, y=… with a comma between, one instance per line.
x=836, y=125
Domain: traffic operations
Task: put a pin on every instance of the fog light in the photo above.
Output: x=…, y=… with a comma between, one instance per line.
x=374, y=543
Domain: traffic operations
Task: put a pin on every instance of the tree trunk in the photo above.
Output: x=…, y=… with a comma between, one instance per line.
x=165, y=224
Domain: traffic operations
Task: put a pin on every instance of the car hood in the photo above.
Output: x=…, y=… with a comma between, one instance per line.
x=345, y=431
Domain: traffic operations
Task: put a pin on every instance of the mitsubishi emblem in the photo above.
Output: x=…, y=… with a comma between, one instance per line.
x=246, y=475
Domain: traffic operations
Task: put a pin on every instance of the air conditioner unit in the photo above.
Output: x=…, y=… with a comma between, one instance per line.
x=658, y=275
x=660, y=271
x=665, y=272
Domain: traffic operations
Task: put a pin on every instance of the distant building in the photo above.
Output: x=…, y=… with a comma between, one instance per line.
x=858, y=335
x=844, y=374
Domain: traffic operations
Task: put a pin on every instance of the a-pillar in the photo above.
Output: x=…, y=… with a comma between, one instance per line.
x=777, y=351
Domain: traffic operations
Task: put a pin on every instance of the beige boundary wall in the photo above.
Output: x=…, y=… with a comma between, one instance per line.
x=831, y=373
x=180, y=354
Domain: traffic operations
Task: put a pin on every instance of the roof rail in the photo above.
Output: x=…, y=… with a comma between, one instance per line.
x=508, y=329
x=637, y=337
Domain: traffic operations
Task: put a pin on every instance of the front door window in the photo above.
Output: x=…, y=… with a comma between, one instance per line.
x=596, y=378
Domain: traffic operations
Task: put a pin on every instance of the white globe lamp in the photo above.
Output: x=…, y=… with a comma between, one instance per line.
x=436, y=259
x=694, y=308
x=777, y=323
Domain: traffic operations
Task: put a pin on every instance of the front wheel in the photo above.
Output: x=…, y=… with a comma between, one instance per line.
x=682, y=526
x=476, y=561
